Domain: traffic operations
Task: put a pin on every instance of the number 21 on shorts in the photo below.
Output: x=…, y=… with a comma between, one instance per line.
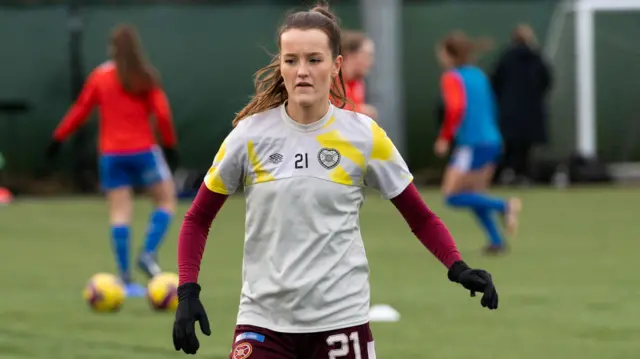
x=347, y=343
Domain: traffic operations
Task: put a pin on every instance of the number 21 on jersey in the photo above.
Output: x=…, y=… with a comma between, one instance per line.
x=302, y=160
x=345, y=344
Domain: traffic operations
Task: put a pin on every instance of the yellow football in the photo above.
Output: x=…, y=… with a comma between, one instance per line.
x=104, y=293
x=162, y=292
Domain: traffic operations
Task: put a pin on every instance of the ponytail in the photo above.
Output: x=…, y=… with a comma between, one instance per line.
x=463, y=49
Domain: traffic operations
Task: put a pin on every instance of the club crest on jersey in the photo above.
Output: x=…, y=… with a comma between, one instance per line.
x=242, y=351
x=329, y=157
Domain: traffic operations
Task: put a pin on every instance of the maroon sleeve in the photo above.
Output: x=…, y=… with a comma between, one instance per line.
x=194, y=232
x=427, y=226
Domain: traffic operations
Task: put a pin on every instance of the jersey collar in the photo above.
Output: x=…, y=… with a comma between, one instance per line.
x=308, y=127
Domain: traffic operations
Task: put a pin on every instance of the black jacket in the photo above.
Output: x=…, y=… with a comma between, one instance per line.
x=521, y=81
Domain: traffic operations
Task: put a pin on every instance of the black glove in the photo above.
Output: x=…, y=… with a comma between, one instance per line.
x=53, y=148
x=171, y=156
x=475, y=280
x=188, y=312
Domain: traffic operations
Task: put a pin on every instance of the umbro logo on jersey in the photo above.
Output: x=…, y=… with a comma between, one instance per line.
x=276, y=158
x=329, y=157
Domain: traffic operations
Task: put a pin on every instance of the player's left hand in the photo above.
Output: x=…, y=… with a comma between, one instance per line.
x=189, y=311
x=441, y=147
x=475, y=280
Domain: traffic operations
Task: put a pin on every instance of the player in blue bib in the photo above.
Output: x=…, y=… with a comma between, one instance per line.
x=471, y=123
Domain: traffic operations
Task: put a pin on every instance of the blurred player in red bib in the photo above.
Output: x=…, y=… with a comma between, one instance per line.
x=126, y=90
x=358, y=57
x=304, y=165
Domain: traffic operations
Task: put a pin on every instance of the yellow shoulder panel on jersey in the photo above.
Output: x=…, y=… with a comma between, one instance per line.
x=261, y=175
x=382, y=147
x=213, y=181
x=221, y=152
x=333, y=139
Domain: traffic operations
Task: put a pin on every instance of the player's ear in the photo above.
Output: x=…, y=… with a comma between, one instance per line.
x=337, y=65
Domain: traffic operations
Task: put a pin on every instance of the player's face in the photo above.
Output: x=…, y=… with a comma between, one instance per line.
x=307, y=66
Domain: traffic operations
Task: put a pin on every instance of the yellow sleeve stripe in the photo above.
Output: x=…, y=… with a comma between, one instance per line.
x=333, y=139
x=261, y=174
x=214, y=182
x=382, y=148
x=221, y=152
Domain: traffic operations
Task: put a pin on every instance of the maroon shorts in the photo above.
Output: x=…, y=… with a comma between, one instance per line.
x=251, y=342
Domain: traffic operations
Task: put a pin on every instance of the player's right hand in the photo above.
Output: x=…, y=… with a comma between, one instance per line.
x=475, y=280
x=189, y=311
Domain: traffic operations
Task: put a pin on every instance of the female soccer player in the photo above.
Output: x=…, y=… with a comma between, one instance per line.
x=303, y=164
x=358, y=52
x=127, y=91
x=470, y=121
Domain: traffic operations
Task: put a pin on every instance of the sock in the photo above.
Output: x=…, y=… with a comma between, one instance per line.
x=120, y=242
x=158, y=225
x=489, y=225
x=477, y=201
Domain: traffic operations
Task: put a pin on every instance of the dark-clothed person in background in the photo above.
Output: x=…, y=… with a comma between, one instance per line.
x=521, y=82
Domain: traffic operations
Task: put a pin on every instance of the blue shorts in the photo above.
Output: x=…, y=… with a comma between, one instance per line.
x=138, y=169
x=471, y=158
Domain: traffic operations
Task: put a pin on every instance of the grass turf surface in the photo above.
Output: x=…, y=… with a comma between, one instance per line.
x=567, y=290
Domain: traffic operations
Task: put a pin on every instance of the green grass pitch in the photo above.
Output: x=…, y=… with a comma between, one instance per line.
x=568, y=290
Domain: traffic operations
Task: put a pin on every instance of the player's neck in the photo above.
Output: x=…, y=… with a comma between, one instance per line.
x=307, y=115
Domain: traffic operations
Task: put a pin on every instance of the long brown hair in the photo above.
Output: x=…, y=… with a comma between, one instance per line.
x=136, y=74
x=462, y=49
x=270, y=91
